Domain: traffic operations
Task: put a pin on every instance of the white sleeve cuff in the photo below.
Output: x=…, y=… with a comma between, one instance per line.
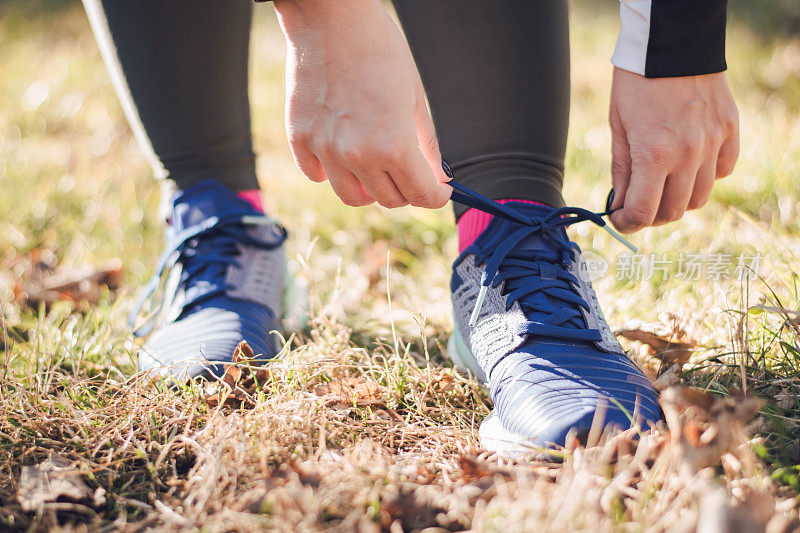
x=631, y=51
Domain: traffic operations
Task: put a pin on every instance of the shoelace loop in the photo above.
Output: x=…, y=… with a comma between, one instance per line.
x=517, y=269
x=187, y=249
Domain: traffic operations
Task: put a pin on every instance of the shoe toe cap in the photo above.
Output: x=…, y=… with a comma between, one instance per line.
x=544, y=404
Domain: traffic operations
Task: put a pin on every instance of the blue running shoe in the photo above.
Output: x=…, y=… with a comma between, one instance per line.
x=219, y=281
x=530, y=326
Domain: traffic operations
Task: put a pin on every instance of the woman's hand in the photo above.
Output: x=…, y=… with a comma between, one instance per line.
x=356, y=113
x=671, y=138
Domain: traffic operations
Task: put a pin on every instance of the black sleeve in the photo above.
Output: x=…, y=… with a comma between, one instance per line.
x=668, y=38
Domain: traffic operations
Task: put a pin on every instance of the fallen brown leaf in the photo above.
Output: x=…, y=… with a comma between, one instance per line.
x=668, y=378
x=240, y=382
x=348, y=390
x=471, y=469
x=671, y=351
x=232, y=376
x=403, y=506
x=236, y=399
x=56, y=478
x=703, y=428
x=243, y=353
x=40, y=282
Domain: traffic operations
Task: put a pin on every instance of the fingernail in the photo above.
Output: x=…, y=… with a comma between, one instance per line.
x=610, y=199
x=447, y=170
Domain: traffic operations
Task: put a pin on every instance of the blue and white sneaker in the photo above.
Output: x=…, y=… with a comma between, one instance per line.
x=530, y=327
x=219, y=281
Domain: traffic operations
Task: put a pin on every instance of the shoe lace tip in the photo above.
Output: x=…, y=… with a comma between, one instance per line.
x=473, y=319
x=620, y=238
x=258, y=220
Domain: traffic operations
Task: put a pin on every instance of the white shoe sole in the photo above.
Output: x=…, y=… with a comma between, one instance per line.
x=496, y=438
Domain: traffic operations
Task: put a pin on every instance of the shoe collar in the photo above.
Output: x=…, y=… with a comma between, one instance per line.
x=206, y=200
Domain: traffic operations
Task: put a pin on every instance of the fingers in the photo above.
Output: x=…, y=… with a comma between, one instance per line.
x=387, y=170
x=657, y=185
x=620, y=161
x=305, y=159
x=395, y=169
x=728, y=154
x=345, y=185
x=381, y=186
x=703, y=184
x=418, y=183
x=675, y=197
x=396, y=175
x=672, y=137
x=642, y=197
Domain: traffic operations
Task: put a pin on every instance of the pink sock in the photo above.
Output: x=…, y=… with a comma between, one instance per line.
x=253, y=197
x=474, y=221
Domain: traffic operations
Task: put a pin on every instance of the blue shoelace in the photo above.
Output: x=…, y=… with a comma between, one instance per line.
x=539, y=272
x=204, y=250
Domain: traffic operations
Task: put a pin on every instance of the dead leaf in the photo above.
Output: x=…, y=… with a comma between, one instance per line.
x=668, y=378
x=359, y=391
x=692, y=396
x=693, y=431
x=232, y=376
x=40, y=282
x=56, y=478
x=241, y=381
x=442, y=382
x=703, y=428
x=243, y=353
x=236, y=399
x=407, y=510
x=471, y=469
x=753, y=513
x=670, y=350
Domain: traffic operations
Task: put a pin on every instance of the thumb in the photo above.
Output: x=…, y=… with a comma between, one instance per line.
x=426, y=135
x=620, y=160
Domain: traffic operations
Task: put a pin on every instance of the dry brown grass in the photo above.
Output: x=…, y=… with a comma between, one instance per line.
x=339, y=438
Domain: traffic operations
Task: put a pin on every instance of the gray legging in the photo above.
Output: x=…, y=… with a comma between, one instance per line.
x=496, y=74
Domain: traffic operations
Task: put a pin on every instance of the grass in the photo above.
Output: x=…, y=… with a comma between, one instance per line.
x=76, y=191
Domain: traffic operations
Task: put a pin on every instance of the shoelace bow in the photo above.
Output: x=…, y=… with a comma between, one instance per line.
x=205, y=248
x=539, y=273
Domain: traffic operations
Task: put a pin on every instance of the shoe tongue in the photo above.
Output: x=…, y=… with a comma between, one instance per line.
x=207, y=199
